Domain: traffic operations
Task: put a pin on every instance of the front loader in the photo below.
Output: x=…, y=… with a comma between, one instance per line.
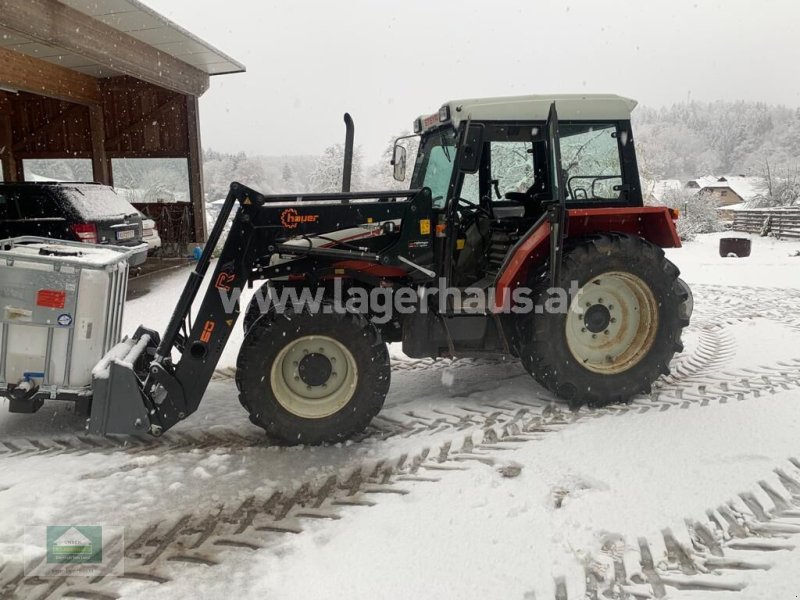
x=509, y=211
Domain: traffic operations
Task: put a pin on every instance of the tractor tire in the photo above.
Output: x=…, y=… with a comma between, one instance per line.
x=312, y=378
x=621, y=329
x=253, y=312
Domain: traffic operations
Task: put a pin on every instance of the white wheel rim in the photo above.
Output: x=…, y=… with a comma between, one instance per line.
x=612, y=322
x=307, y=391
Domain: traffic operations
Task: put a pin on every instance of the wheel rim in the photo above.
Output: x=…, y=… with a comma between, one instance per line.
x=314, y=376
x=612, y=322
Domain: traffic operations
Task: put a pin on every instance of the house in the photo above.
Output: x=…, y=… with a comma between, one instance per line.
x=728, y=190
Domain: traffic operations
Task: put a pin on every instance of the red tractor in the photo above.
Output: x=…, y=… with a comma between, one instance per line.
x=521, y=235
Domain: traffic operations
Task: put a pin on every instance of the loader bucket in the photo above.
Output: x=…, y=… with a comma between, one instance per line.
x=118, y=404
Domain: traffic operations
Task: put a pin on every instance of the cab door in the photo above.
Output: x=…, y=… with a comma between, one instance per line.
x=556, y=209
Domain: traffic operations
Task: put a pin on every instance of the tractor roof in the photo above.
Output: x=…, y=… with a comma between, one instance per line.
x=580, y=107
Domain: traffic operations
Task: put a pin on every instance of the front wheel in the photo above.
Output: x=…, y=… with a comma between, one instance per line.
x=621, y=327
x=313, y=378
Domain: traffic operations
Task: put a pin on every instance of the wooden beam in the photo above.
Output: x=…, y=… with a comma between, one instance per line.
x=5, y=103
x=48, y=155
x=195, y=169
x=101, y=164
x=6, y=149
x=34, y=75
x=57, y=24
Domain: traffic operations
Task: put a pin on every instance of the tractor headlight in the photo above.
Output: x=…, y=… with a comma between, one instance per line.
x=444, y=113
x=418, y=125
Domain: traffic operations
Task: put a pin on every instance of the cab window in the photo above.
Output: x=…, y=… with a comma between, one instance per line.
x=590, y=158
x=434, y=165
x=470, y=189
x=512, y=166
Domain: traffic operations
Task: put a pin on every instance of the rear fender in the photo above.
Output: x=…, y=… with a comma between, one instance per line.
x=653, y=223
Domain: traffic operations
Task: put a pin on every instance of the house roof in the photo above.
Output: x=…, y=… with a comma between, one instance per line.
x=132, y=18
x=747, y=188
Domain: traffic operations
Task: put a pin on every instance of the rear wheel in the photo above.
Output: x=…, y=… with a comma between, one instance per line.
x=313, y=378
x=621, y=328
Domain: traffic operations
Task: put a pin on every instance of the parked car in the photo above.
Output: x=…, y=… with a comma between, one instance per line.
x=150, y=233
x=83, y=212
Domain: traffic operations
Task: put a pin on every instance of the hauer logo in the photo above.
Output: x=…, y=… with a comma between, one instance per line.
x=290, y=219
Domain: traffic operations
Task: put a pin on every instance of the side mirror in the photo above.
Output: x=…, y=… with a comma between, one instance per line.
x=471, y=147
x=399, y=162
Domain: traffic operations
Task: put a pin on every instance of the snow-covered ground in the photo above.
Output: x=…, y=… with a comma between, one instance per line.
x=472, y=483
x=773, y=263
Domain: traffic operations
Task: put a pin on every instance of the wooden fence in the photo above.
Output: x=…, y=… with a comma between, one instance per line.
x=780, y=222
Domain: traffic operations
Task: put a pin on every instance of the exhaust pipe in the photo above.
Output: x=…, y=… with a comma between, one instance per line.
x=348, y=152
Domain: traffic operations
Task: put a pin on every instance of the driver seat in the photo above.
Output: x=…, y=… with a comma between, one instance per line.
x=531, y=199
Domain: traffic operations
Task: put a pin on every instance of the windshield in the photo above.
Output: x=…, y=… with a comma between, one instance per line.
x=434, y=165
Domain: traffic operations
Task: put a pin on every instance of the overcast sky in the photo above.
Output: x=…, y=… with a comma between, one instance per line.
x=387, y=62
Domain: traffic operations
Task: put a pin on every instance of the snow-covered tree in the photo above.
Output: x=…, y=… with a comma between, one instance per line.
x=329, y=168
x=698, y=212
x=690, y=139
x=70, y=169
x=153, y=179
x=287, y=175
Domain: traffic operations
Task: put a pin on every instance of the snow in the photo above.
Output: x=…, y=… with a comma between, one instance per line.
x=479, y=521
x=88, y=256
x=95, y=202
x=507, y=527
x=770, y=263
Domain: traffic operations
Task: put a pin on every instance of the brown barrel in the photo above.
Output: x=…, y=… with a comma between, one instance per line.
x=734, y=247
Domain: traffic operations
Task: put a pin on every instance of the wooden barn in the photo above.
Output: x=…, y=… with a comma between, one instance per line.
x=108, y=88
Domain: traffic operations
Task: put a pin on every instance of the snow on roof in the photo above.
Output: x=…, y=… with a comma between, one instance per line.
x=733, y=207
x=747, y=188
x=658, y=189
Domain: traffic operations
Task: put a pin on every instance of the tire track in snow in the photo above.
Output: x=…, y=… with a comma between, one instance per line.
x=256, y=522
x=744, y=534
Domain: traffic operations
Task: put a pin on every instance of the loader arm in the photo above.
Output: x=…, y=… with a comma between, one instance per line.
x=143, y=385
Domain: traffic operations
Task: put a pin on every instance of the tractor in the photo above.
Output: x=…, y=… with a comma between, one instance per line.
x=522, y=234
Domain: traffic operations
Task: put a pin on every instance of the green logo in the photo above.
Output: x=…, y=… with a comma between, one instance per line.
x=74, y=544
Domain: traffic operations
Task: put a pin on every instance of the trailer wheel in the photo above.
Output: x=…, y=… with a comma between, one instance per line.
x=313, y=378
x=620, y=329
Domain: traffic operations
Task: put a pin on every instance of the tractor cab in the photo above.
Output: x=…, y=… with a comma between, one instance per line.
x=488, y=163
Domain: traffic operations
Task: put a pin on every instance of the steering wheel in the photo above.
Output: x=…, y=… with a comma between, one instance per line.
x=469, y=212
